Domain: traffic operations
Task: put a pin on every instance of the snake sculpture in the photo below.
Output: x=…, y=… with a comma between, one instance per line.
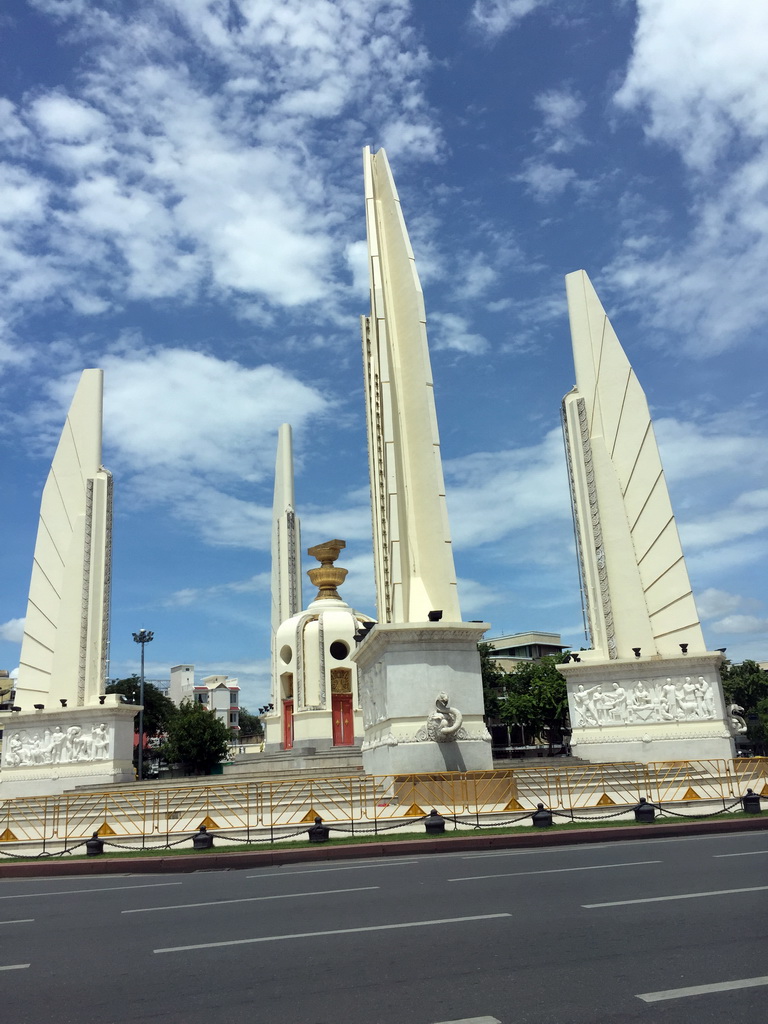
x=735, y=719
x=444, y=723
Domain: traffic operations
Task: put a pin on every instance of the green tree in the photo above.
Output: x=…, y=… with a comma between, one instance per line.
x=494, y=680
x=159, y=710
x=747, y=685
x=251, y=726
x=196, y=739
x=536, y=697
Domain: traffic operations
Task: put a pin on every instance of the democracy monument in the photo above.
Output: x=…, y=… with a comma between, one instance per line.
x=405, y=689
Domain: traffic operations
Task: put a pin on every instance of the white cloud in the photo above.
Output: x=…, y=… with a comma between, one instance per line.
x=197, y=154
x=750, y=625
x=713, y=603
x=545, y=181
x=561, y=111
x=699, y=79
x=495, y=17
x=12, y=631
x=698, y=67
x=451, y=331
x=493, y=494
x=61, y=117
x=744, y=517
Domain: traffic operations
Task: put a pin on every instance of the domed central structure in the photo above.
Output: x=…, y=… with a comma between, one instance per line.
x=315, y=694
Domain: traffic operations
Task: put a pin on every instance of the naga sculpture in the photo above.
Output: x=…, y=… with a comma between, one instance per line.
x=445, y=722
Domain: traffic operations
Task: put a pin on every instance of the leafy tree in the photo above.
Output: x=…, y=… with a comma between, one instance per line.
x=536, y=697
x=747, y=685
x=251, y=726
x=494, y=680
x=196, y=739
x=159, y=710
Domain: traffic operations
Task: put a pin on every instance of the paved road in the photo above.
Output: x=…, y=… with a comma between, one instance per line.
x=575, y=935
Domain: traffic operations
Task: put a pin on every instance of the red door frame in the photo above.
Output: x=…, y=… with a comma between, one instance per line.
x=287, y=724
x=343, y=720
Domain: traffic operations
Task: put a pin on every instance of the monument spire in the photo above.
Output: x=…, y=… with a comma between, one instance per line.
x=636, y=587
x=413, y=556
x=64, y=649
x=286, y=536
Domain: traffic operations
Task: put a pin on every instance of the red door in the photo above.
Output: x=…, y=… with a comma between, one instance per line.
x=343, y=720
x=287, y=724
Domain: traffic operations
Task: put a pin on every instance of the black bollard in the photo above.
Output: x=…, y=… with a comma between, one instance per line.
x=318, y=833
x=751, y=803
x=644, y=811
x=202, y=840
x=94, y=846
x=435, y=824
x=542, y=818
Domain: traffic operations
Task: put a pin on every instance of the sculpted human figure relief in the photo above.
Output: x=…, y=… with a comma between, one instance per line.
x=58, y=747
x=705, y=698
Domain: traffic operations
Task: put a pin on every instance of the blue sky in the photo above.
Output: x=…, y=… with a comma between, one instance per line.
x=181, y=204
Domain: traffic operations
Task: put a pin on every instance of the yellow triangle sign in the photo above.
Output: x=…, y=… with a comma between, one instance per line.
x=414, y=811
x=514, y=805
x=764, y=790
x=8, y=837
x=107, y=830
x=208, y=822
x=691, y=794
x=310, y=815
x=605, y=801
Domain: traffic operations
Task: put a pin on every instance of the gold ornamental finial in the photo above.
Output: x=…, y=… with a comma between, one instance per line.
x=328, y=577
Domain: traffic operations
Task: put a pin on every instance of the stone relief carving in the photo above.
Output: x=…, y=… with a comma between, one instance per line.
x=641, y=701
x=56, y=746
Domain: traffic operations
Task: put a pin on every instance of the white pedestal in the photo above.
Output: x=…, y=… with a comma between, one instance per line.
x=644, y=710
x=54, y=751
x=402, y=671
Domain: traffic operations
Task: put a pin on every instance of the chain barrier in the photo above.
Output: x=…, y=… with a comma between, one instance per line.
x=357, y=830
x=377, y=828
x=487, y=824
x=43, y=855
x=594, y=817
x=677, y=814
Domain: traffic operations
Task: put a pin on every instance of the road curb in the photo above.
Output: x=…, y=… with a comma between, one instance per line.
x=448, y=843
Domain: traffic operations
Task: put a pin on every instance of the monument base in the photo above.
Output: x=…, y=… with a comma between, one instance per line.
x=644, y=710
x=49, y=752
x=422, y=699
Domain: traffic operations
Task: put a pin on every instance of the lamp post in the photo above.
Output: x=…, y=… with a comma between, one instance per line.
x=144, y=636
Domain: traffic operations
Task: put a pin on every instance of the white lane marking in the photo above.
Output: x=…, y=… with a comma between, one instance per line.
x=22, y=920
x=702, y=990
x=14, y=967
x=585, y=848
x=66, y=892
x=395, y=863
x=557, y=871
x=472, y=1020
x=251, y=899
x=749, y=853
x=335, y=931
x=682, y=896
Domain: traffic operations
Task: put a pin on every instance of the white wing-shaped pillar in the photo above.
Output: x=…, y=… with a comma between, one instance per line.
x=286, y=535
x=635, y=582
x=413, y=556
x=64, y=650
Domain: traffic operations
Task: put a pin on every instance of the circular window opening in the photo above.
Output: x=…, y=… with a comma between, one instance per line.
x=339, y=650
x=286, y=654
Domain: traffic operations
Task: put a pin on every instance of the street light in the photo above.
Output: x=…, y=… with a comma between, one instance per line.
x=144, y=636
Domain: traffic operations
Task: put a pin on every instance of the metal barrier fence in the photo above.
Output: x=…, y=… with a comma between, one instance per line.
x=164, y=811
